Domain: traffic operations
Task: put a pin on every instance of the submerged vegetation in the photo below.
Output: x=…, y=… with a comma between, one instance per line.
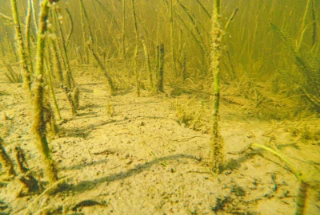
x=261, y=57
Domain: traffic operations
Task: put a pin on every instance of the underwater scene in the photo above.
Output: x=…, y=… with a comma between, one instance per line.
x=159, y=107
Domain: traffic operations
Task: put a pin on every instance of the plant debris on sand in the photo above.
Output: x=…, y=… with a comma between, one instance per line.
x=133, y=155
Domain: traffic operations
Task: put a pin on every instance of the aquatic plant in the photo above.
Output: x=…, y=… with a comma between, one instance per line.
x=22, y=51
x=85, y=15
x=68, y=76
x=172, y=38
x=308, y=78
x=24, y=177
x=204, y=8
x=192, y=62
x=136, y=50
x=71, y=27
x=303, y=184
x=49, y=75
x=110, y=84
x=184, y=66
x=124, y=29
x=11, y=75
x=148, y=64
x=195, y=23
x=84, y=36
x=35, y=18
x=27, y=34
x=55, y=56
x=39, y=123
x=194, y=36
x=304, y=25
x=314, y=22
x=216, y=142
x=159, y=68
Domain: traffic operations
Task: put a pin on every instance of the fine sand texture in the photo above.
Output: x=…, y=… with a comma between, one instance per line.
x=148, y=155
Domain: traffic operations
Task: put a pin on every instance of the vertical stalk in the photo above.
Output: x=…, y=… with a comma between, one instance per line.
x=22, y=52
x=56, y=58
x=251, y=48
x=302, y=198
x=27, y=34
x=34, y=16
x=87, y=20
x=193, y=20
x=159, y=68
x=180, y=42
x=110, y=85
x=148, y=64
x=2, y=50
x=216, y=141
x=156, y=66
x=71, y=26
x=198, y=42
x=50, y=69
x=69, y=78
x=184, y=66
x=136, y=74
x=39, y=124
x=314, y=23
x=173, y=58
x=70, y=89
x=86, y=51
x=303, y=24
x=124, y=29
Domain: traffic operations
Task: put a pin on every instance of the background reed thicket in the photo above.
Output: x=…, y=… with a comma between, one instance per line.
x=253, y=53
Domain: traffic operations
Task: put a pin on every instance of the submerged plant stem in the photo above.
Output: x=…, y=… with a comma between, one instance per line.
x=22, y=52
x=39, y=124
x=136, y=51
x=302, y=198
x=216, y=141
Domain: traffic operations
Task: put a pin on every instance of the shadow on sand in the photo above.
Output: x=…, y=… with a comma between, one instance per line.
x=88, y=185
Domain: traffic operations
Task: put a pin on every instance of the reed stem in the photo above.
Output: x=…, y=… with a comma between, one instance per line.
x=110, y=85
x=314, y=23
x=69, y=77
x=302, y=198
x=204, y=9
x=27, y=34
x=136, y=51
x=160, y=68
x=71, y=26
x=216, y=141
x=22, y=53
x=83, y=30
x=39, y=123
x=148, y=64
x=124, y=29
x=172, y=35
x=303, y=25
